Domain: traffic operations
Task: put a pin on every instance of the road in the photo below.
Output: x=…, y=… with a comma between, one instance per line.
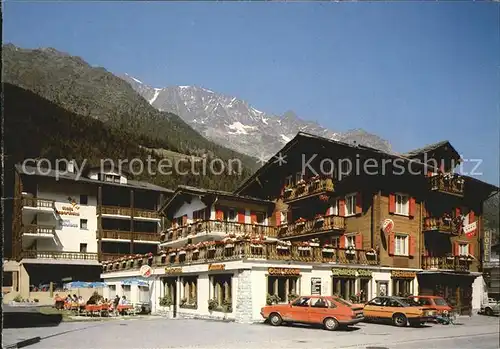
x=476, y=332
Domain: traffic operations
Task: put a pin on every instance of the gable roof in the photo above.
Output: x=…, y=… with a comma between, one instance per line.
x=432, y=147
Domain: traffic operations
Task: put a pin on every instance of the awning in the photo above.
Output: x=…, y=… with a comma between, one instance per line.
x=134, y=281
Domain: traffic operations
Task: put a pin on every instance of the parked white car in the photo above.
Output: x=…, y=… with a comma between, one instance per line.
x=492, y=307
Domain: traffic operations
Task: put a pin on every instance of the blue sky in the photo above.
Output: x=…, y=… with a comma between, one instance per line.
x=412, y=72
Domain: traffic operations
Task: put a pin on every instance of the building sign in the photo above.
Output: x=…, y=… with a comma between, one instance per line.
x=364, y=273
x=216, y=267
x=403, y=274
x=69, y=224
x=146, y=271
x=283, y=271
x=487, y=246
x=344, y=272
x=173, y=270
x=470, y=229
x=388, y=226
x=69, y=210
x=316, y=286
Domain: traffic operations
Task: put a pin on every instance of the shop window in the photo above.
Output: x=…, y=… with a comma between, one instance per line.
x=402, y=287
x=283, y=287
x=189, y=292
x=221, y=291
x=344, y=287
x=402, y=204
x=126, y=289
x=350, y=204
x=169, y=288
x=364, y=289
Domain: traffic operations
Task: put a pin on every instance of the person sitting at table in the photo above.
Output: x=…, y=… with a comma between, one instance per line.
x=123, y=301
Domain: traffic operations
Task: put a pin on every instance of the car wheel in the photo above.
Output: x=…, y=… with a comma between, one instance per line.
x=275, y=319
x=488, y=311
x=330, y=324
x=399, y=320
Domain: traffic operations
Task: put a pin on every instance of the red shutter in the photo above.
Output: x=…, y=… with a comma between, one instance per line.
x=342, y=207
x=253, y=217
x=277, y=214
x=392, y=203
x=441, y=167
x=412, y=246
x=359, y=203
x=471, y=248
x=359, y=241
x=455, y=248
x=219, y=215
x=342, y=241
x=472, y=216
x=241, y=217
x=328, y=211
x=391, y=243
x=457, y=212
x=412, y=207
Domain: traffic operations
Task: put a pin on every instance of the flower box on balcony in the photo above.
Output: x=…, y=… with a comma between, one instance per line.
x=182, y=252
x=256, y=245
x=304, y=248
x=314, y=244
x=281, y=247
x=229, y=245
x=350, y=250
x=328, y=250
x=288, y=190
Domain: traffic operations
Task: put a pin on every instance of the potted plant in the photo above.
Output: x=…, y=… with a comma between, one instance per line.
x=304, y=246
x=272, y=299
x=350, y=250
x=212, y=304
x=166, y=304
x=300, y=221
x=227, y=306
x=319, y=218
x=371, y=253
x=314, y=242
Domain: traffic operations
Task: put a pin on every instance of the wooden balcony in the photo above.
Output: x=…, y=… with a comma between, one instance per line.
x=310, y=227
x=218, y=227
x=37, y=203
x=59, y=255
x=455, y=263
x=447, y=183
x=41, y=230
x=307, y=189
x=441, y=225
x=128, y=235
x=128, y=212
x=210, y=252
x=143, y=213
x=110, y=256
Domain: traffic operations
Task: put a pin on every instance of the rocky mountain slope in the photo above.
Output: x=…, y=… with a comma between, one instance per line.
x=233, y=122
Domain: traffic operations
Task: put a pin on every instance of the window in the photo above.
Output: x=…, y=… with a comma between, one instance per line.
x=84, y=199
x=401, y=245
x=282, y=286
x=221, y=290
x=189, y=292
x=83, y=224
x=463, y=249
x=301, y=302
x=423, y=301
x=283, y=216
x=350, y=241
x=231, y=215
x=169, y=287
x=261, y=217
x=350, y=204
x=83, y=248
x=288, y=181
x=335, y=241
x=320, y=303
x=344, y=287
x=334, y=208
x=378, y=301
x=402, y=287
x=402, y=204
x=199, y=214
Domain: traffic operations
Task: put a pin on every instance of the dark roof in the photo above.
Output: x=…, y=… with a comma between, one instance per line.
x=194, y=191
x=34, y=171
x=431, y=147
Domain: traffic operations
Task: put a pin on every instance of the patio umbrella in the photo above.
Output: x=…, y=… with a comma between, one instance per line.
x=77, y=284
x=97, y=284
x=135, y=281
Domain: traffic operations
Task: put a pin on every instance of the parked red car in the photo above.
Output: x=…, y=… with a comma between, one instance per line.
x=436, y=302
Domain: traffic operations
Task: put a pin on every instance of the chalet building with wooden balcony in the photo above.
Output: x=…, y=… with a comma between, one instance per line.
x=307, y=222
x=64, y=226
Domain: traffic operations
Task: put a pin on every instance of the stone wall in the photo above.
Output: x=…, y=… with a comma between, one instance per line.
x=243, y=309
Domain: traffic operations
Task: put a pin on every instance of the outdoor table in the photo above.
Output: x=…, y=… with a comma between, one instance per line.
x=123, y=308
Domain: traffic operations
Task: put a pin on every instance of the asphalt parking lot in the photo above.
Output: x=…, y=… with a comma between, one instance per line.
x=474, y=332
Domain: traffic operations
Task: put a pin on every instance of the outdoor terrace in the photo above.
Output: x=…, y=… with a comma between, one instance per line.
x=38, y=230
x=304, y=189
x=59, y=255
x=314, y=226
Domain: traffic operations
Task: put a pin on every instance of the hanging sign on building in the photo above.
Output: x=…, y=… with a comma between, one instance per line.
x=487, y=245
x=316, y=286
x=283, y=271
x=146, y=271
x=364, y=273
x=173, y=270
x=403, y=274
x=344, y=272
x=388, y=226
x=216, y=267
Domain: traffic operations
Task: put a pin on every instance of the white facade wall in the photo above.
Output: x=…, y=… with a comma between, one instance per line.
x=188, y=209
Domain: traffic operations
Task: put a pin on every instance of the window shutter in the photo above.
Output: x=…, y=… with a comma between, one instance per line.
x=278, y=218
x=392, y=203
x=391, y=244
x=458, y=212
x=342, y=241
x=471, y=248
x=441, y=167
x=342, y=207
x=412, y=246
x=412, y=207
x=359, y=203
x=253, y=217
x=456, y=248
x=359, y=241
x=329, y=211
x=241, y=217
x=472, y=216
x=219, y=215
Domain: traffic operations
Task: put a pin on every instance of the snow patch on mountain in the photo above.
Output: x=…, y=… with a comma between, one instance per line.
x=157, y=93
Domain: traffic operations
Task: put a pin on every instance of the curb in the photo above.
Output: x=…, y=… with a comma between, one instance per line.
x=24, y=343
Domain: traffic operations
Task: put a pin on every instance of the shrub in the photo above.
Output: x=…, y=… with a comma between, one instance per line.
x=18, y=298
x=36, y=300
x=212, y=304
x=292, y=296
x=272, y=299
x=165, y=301
x=227, y=306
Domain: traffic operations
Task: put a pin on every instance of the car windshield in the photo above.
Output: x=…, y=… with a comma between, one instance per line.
x=343, y=302
x=408, y=302
x=440, y=301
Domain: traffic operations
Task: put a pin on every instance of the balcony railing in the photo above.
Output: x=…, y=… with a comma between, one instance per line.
x=447, y=183
x=128, y=211
x=37, y=202
x=38, y=229
x=457, y=263
x=59, y=255
x=138, y=212
x=440, y=224
x=240, y=250
x=128, y=235
x=314, y=226
x=110, y=256
x=211, y=226
x=304, y=189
